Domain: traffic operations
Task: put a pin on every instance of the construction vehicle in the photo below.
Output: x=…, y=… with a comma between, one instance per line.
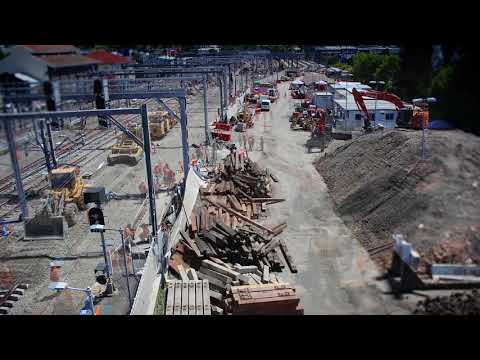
x=305, y=121
x=410, y=117
x=160, y=123
x=61, y=203
x=222, y=131
x=245, y=116
x=273, y=94
x=126, y=151
x=251, y=98
x=300, y=93
x=321, y=133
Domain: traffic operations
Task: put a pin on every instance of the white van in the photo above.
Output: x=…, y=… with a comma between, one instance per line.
x=265, y=105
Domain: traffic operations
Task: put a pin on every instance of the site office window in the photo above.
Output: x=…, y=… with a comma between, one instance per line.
x=389, y=116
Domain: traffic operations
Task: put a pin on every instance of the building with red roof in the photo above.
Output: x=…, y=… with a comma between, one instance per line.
x=48, y=62
x=108, y=61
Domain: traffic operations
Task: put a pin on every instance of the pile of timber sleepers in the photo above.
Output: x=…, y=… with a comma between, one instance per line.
x=242, y=177
x=227, y=247
x=266, y=299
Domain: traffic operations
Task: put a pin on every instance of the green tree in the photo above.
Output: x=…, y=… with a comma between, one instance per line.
x=345, y=67
x=365, y=66
x=441, y=88
x=388, y=70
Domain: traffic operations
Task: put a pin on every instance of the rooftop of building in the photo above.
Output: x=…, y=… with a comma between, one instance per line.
x=371, y=104
x=108, y=58
x=51, y=49
x=67, y=60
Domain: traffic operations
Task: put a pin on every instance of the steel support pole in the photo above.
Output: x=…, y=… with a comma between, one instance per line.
x=108, y=290
x=183, y=125
x=221, y=99
x=148, y=162
x=126, y=268
x=225, y=91
x=205, y=109
x=12, y=148
x=52, y=147
x=35, y=130
x=46, y=153
x=423, y=141
x=234, y=81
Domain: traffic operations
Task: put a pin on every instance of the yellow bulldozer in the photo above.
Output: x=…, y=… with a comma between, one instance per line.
x=59, y=205
x=126, y=151
x=160, y=123
x=245, y=115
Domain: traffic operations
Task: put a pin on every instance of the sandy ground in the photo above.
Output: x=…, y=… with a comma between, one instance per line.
x=335, y=274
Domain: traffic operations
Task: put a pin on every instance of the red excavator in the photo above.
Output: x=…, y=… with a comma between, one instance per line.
x=409, y=117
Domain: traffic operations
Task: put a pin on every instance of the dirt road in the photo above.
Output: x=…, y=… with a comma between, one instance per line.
x=335, y=275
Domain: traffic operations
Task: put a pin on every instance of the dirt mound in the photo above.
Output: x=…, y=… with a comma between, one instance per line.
x=380, y=186
x=455, y=304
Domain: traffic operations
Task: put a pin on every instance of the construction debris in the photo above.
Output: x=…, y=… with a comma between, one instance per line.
x=225, y=245
x=455, y=304
x=268, y=299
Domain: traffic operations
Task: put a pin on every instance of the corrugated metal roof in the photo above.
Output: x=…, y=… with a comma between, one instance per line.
x=370, y=104
x=106, y=57
x=59, y=61
x=51, y=49
x=349, y=86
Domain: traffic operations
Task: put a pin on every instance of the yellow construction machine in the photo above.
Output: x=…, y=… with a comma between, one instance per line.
x=61, y=203
x=160, y=123
x=126, y=151
x=245, y=116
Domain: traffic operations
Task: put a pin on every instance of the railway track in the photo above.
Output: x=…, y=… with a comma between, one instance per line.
x=35, y=175
x=9, y=296
x=38, y=165
x=41, y=182
x=379, y=249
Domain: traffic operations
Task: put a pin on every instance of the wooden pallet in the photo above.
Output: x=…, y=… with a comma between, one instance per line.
x=190, y=297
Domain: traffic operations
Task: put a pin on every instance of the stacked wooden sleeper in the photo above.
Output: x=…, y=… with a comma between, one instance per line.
x=224, y=243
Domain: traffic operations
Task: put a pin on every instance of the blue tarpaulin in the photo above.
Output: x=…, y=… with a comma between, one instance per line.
x=440, y=125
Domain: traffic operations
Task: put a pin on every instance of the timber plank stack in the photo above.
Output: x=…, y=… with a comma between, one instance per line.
x=188, y=297
x=226, y=246
x=265, y=299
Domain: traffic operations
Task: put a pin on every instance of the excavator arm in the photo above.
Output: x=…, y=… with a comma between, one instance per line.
x=378, y=95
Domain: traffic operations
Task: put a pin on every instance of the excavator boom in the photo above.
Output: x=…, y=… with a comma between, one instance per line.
x=376, y=95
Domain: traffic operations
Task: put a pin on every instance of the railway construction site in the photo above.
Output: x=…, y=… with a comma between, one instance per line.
x=265, y=219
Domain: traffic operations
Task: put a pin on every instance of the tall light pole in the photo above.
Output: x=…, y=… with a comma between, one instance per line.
x=376, y=82
x=426, y=101
x=346, y=101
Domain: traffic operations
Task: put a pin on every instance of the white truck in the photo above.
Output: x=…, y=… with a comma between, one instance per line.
x=265, y=103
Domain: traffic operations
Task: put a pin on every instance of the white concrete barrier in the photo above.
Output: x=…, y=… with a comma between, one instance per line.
x=146, y=297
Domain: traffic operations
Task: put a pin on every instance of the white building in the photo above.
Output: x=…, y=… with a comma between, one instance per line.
x=324, y=100
x=338, y=88
x=382, y=113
